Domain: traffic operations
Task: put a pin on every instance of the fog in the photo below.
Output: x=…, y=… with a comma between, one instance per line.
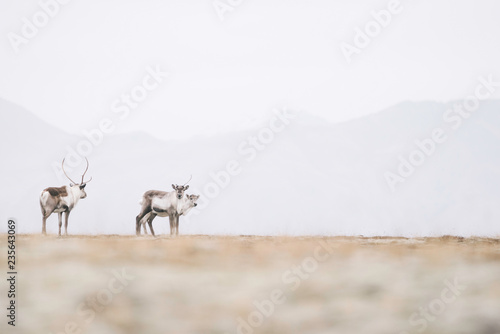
x=362, y=177
x=292, y=117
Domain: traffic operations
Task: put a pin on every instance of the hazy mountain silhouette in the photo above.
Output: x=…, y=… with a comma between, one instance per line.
x=314, y=178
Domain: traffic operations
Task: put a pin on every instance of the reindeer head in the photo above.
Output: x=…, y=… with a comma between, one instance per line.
x=181, y=189
x=78, y=186
x=189, y=203
x=192, y=199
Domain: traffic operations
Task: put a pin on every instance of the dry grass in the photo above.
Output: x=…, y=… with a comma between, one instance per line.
x=202, y=284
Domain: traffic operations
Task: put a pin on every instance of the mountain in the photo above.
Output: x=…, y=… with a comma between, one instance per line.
x=311, y=177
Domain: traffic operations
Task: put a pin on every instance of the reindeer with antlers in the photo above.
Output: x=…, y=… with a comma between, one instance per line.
x=62, y=199
x=187, y=203
x=161, y=203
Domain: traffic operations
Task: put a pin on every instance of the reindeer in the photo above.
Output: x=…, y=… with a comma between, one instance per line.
x=62, y=199
x=187, y=203
x=156, y=202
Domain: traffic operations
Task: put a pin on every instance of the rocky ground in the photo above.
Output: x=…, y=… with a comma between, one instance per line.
x=251, y=284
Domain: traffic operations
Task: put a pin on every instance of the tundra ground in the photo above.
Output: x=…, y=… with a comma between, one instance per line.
x=253, y=284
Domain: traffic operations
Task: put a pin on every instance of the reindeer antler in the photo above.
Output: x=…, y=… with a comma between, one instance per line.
x=62, y=165
x=188, y=180
x=86, y=169
x=65, y=172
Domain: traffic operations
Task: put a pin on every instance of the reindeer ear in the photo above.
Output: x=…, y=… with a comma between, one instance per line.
x=186, y=188
x=71, y=185
x=83, y=186
x=173, y=186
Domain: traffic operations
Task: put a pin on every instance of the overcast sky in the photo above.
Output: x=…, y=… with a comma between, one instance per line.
x=226, y=75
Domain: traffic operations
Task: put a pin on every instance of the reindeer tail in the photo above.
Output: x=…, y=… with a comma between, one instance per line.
x=43, y=200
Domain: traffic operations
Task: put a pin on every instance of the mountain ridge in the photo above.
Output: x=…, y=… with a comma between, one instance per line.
x=332, y=175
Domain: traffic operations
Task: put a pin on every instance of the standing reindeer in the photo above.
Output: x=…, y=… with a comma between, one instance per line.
x=62, y=199
x=161, y=203
x=187, y=203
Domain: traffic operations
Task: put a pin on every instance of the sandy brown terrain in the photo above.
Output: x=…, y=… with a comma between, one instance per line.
x=251, y=284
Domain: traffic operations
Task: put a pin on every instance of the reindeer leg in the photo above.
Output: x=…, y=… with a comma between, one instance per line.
x=172, y=224
x=66, y=223
x=177, y=224
x=138, y=225
x=60, y=222
x=144, y=220
x=150, y=223
x=44, y=224
x=144, y=211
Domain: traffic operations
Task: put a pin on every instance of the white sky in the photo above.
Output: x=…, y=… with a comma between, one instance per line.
x=225, y=75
